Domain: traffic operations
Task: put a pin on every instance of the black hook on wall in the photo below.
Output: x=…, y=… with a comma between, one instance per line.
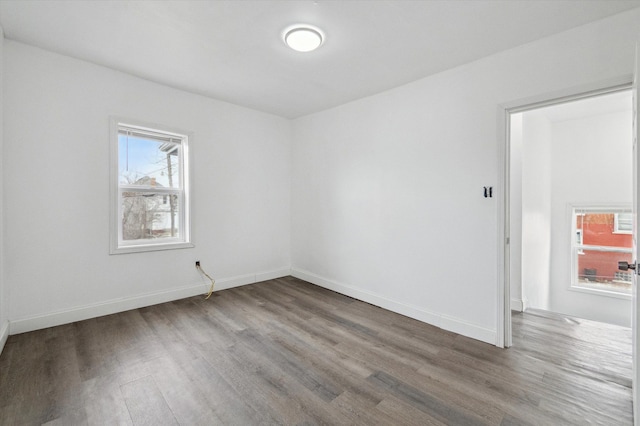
x=488, y=192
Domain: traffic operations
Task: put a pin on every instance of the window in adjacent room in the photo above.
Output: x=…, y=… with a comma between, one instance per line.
x=150, y=188
x=603, y=237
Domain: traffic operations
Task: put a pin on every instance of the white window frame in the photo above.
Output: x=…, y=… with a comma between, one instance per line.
x=184, y=239
x=578, y=249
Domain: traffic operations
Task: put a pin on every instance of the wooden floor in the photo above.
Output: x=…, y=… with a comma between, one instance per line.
x=288, y=352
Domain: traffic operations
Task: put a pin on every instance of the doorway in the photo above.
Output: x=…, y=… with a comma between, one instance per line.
x=570, y=195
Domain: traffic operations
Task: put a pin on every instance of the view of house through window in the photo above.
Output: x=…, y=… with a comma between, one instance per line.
x=602, y=238
x=151, y=194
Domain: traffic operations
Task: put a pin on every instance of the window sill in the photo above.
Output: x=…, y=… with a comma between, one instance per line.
x=141, y=248
x=599, y=292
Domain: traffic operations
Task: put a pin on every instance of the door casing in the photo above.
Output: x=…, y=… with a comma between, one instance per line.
x=504, y=111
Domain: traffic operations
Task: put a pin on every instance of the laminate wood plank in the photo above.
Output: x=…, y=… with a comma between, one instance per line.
x=103, y=399
x=40, y=364
x=288, y=352
x=22, y=368
x=411, y=377
x=104, y=403
x=192, y=389
x=461, y=399
x=217, y=395
x=71, y=417
x=359, y=410
x=146, y=404
x=405, y=414
x=96, y=346
x=186, y=401
x=516, y=369
x=427, y=403
x=300, y=323
x=331, y=316
x=38, y=410
x=569, y=398
x=373, y=354
x=186, y=323
x=271, y=393
x=344, y=372
x=292, y=365
x=487, y=380
x=518, y=399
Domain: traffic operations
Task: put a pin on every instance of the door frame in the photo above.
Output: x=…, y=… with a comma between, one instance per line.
x=503, y=325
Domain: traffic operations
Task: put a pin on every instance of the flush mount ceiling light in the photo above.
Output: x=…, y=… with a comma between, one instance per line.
x=303, y=38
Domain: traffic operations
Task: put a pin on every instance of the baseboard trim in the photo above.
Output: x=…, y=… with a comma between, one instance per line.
x=52, y=319
x=517, y=305
x=109, y=307
x=4, y=335
x=467, y=329
x=445, y=322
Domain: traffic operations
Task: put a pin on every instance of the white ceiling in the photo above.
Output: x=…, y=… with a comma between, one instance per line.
x=233, y=51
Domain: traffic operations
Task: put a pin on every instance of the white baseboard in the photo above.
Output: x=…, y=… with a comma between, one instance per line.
x=52, y=319
x=109, y=307
x=445, y=322
x=467, y=329
x=517, y=305
x=225, y=283
x=4, y=334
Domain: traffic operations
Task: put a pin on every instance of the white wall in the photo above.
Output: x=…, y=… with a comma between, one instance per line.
x=536, y=210
x=387, y=198
x=56, y=165
x=386, y=192
x=592, y=164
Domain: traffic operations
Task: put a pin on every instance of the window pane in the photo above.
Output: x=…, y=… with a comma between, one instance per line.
x=600, y=246
x=147, y=161
x=598, y=229
x=599, y=269
x=149, y=215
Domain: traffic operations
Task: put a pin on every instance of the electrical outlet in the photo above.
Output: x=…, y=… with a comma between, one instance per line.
x=197, y=263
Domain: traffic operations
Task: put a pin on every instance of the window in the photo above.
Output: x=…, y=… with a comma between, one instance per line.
x=602, y=238
x=623, y=223
x=150, y=188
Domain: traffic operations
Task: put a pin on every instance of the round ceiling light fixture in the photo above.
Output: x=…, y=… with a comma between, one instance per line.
x=303, y=38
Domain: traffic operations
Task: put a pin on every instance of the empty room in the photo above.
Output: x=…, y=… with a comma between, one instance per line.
x=302, y=212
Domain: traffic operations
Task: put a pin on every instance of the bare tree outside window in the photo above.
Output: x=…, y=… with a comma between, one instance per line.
x=149, y=215
x=145, y=216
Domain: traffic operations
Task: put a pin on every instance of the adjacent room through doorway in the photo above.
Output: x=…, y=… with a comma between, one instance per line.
x=570, y=207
